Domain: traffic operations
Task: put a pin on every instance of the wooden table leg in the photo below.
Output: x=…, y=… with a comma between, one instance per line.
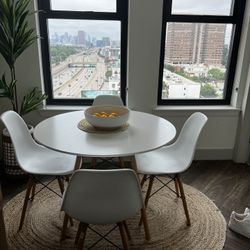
x=78, y=162
x=133, y=163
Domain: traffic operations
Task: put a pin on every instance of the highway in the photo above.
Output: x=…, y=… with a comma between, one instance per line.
x=68, y=81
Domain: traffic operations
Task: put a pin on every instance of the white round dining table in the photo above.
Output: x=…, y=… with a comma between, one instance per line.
x=145, y=132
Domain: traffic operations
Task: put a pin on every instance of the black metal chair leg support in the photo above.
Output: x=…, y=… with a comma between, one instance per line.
x=183, y=199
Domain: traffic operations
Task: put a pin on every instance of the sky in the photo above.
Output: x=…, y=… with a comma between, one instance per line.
x=202, y=7
x=111, y=29
x=85, y=5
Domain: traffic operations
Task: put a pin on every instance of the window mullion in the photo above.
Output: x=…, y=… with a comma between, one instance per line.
x=201, y=19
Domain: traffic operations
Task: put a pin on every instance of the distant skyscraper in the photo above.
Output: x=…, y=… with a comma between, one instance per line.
x=81, y=37
x=194, y=43
x=106, y=41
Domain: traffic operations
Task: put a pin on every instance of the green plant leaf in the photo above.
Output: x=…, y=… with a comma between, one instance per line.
x=31, y=101
x=8, y=90
x=15, y=35
x=15, y=38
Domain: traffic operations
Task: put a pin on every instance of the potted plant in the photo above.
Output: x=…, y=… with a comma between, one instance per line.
x=15, y=38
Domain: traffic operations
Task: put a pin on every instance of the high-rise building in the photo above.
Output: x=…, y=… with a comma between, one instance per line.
x=106, y=41
x=81, y=37
x=194, y=43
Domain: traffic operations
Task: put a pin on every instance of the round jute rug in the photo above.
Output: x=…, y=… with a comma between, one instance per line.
x=166, y=218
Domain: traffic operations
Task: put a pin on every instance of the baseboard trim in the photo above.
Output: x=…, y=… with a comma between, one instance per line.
x=214, y=154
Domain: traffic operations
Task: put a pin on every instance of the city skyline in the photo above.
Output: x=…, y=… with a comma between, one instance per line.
x=94, y=28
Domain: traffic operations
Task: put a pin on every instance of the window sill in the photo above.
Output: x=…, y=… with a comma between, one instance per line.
x=62, y=108
x=198, y=107
x=223, y=110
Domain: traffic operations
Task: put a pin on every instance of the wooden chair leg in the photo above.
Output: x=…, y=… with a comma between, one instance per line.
x=176, y=187
x=144, y=178
x=78, y=162
x=121, y=162
x=93, y=163
x=33, y=191
x=64, y=227
x=60, y=183
x=145, y=224
x=127, y=230
x=150, y=185
x=79, y=230
x=26, y=199
x=82, y=240
x=123, y=236
x=183, y=200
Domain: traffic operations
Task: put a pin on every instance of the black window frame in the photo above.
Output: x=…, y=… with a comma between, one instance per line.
x=45, y=12
x=236, y=19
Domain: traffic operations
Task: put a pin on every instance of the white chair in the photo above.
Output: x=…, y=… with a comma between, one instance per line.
x=35, y=159
x=103, y=197
x=172, y=160
x=108, y=100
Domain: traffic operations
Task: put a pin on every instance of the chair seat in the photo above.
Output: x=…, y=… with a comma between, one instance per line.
x=162, y=161
x=48, y=162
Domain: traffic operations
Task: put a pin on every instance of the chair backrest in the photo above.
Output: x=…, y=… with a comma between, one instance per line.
x=102, y=196
x=23, y=143
x=185, y=145
x=108, y=99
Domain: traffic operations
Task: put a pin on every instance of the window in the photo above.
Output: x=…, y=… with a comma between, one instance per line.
x=83, y=46
x=199, y=50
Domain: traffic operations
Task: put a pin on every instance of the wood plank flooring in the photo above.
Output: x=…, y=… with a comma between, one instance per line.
x=224, y=182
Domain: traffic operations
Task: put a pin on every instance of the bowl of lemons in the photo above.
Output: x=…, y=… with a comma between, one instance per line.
x=107, y=116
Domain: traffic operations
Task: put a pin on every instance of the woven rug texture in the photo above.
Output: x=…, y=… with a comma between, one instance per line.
x=166, y=218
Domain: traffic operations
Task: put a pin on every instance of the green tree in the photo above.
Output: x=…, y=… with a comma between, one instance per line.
x=216, y=74
x=208, y=91
x=108, y=73
x=169, y=67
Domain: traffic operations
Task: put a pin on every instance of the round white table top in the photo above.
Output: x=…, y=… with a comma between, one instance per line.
x=144, y=133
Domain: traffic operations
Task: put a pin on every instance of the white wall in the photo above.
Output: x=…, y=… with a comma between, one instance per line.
x=218, y=140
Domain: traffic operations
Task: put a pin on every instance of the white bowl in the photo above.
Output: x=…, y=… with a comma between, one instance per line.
x=107, y=122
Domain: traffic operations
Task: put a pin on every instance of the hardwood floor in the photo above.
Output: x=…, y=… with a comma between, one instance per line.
x=228, y=185
x=224, y=182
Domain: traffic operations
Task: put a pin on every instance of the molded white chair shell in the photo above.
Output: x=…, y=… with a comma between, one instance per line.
x=32, y=157
x=108, y=99
x=103, y=196
x=175, y=158
x=35, y=159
